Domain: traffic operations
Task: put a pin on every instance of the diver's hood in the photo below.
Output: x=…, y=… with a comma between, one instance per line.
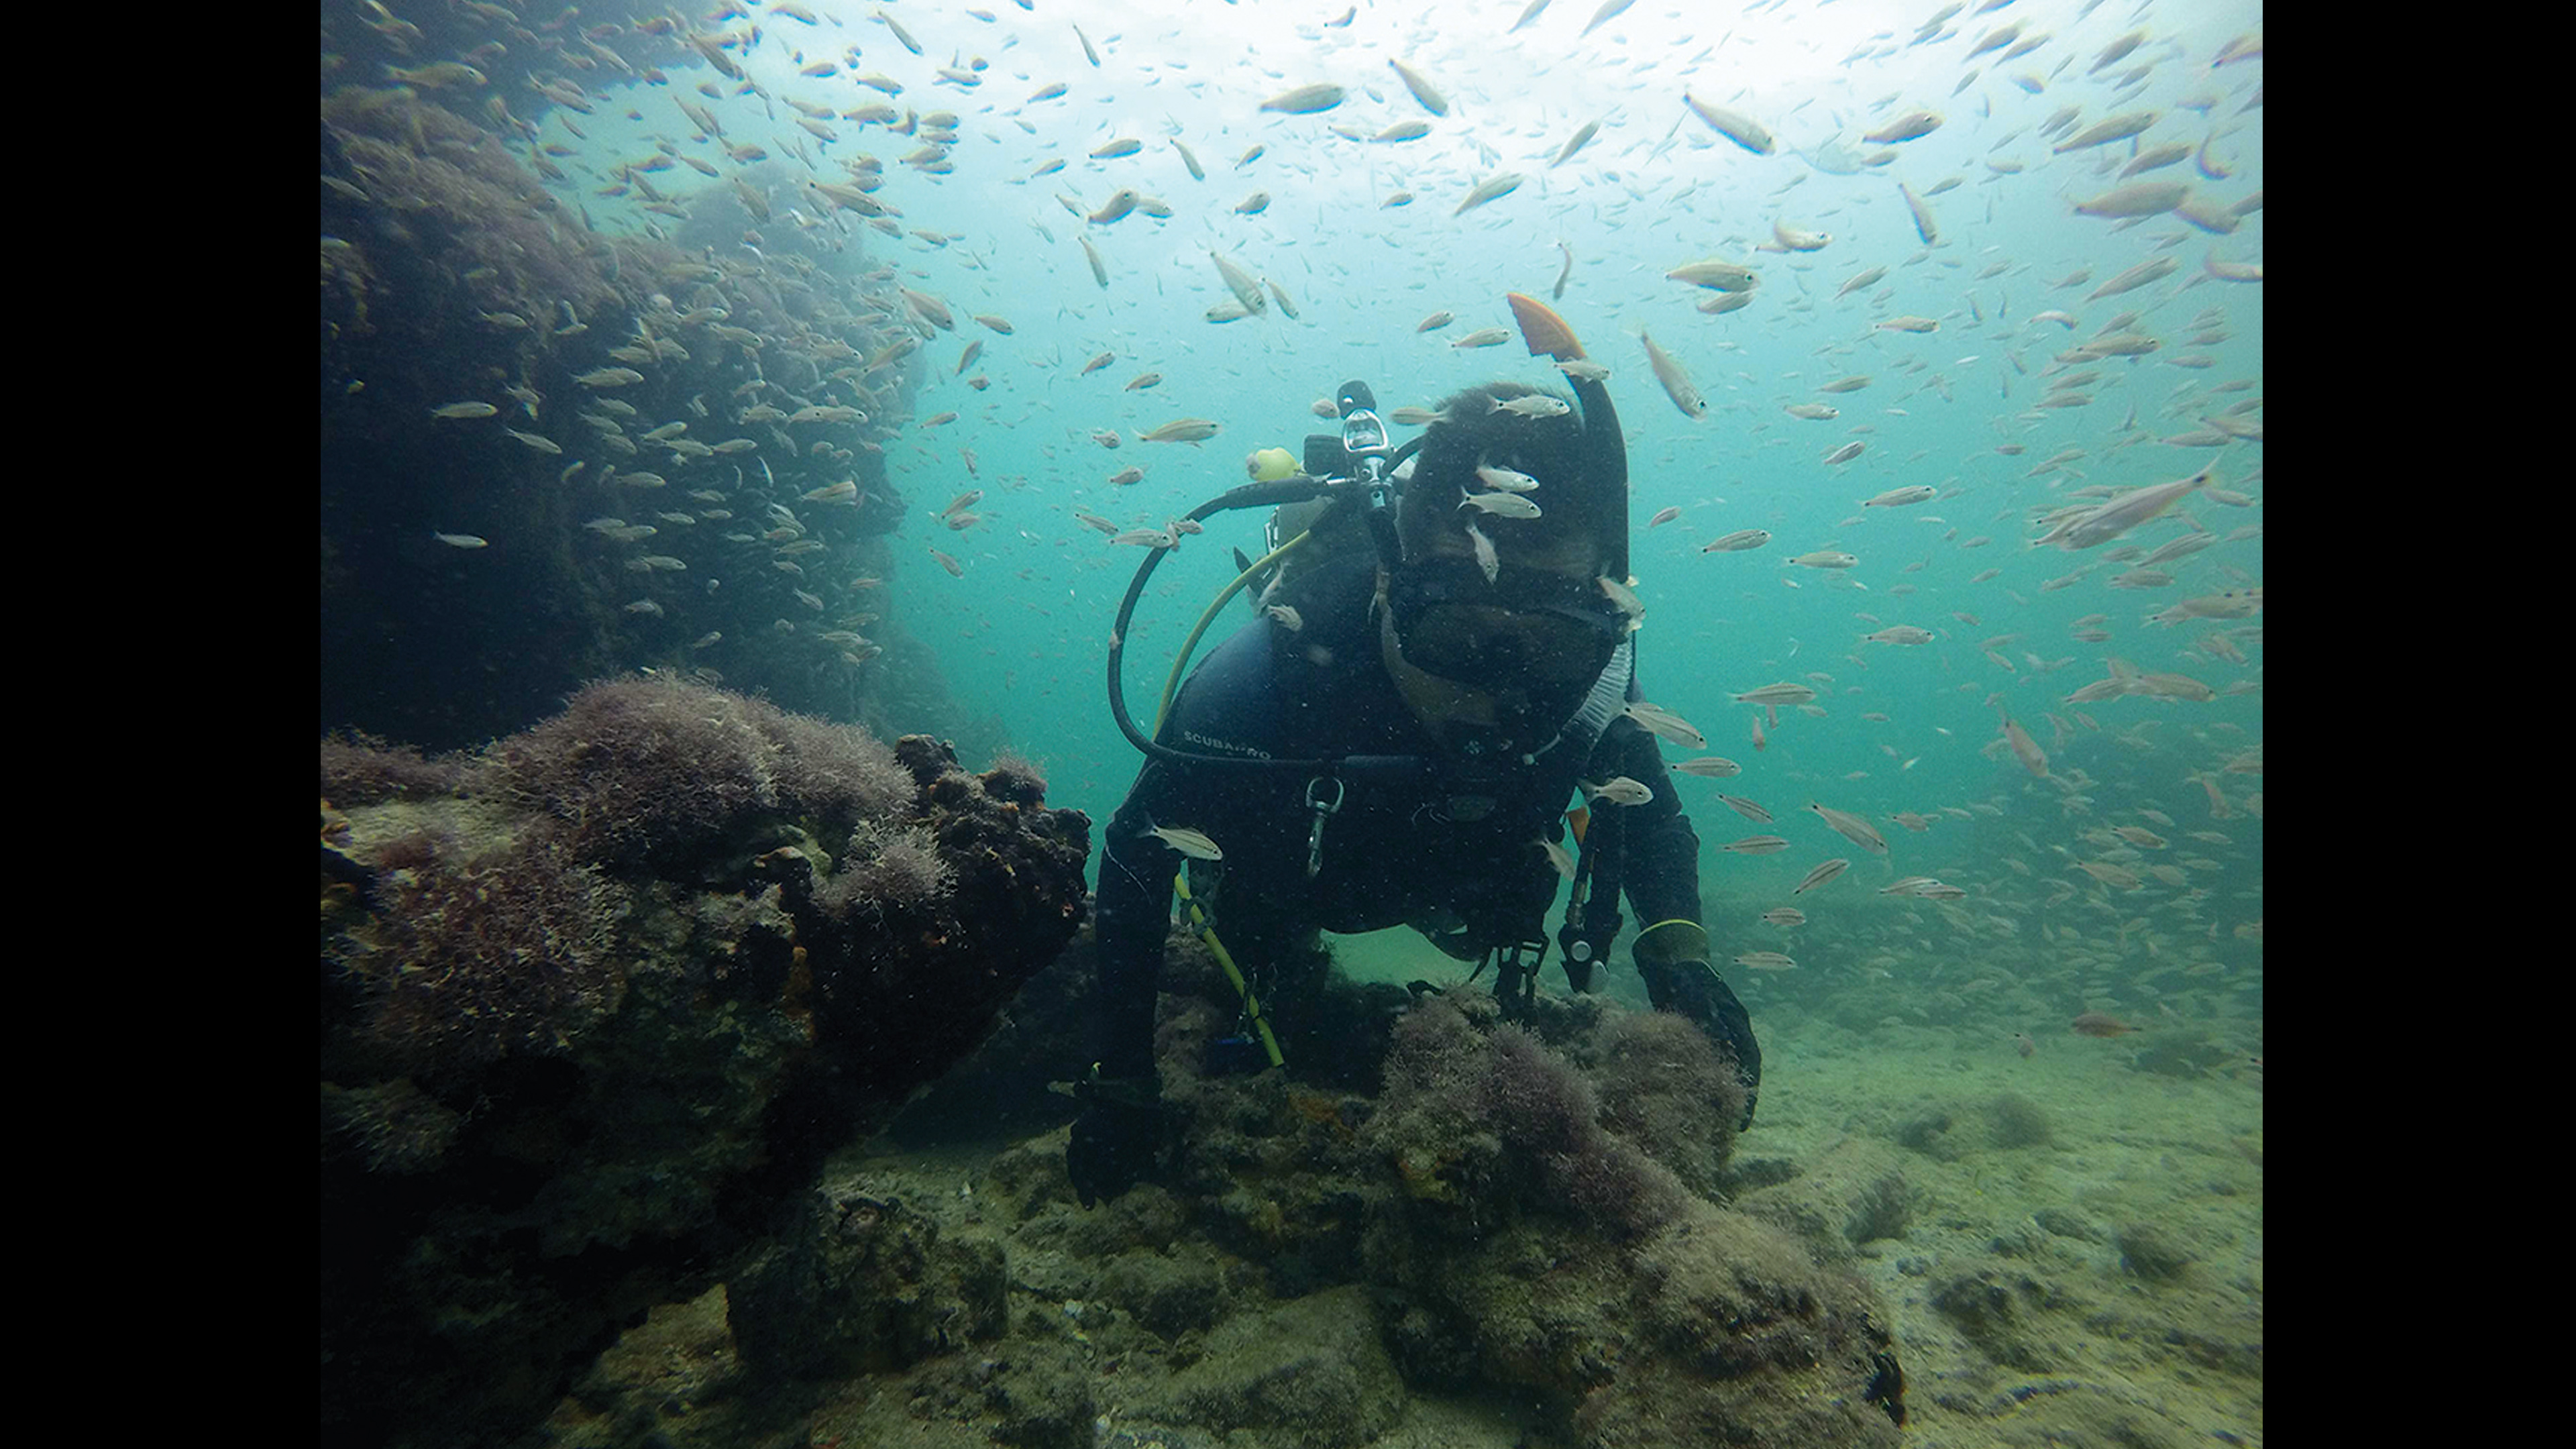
x=1468, y=719
x=1601, y=457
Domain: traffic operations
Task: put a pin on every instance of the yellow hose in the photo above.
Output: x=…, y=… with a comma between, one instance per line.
x=1172, y=682
x=1207, y=933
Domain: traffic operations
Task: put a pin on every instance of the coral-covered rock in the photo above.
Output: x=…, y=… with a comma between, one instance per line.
x=1532, y=1247
x=596, y=1004
x=1853, y=1192
x=869, y=1278
x=1665, y=1086
x=1310, y=1373
x=1482, y=1118
x=661, y=774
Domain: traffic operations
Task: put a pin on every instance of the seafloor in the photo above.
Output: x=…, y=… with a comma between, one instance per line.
x=2067, y=1246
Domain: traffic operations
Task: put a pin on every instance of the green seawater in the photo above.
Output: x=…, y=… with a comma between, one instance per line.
x=1904, y=1020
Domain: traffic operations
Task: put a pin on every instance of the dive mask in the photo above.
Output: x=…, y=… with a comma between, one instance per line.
x=1534, y=632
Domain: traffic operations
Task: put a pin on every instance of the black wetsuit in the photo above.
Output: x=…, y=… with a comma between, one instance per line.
x=1397, y=851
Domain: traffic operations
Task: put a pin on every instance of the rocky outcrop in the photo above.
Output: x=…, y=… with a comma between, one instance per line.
x=598, y=1001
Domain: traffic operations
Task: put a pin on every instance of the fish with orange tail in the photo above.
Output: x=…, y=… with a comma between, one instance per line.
x=2097, y=1023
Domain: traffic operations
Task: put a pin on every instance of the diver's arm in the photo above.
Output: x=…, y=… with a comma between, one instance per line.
x=1662, y=868
x=1662, y=876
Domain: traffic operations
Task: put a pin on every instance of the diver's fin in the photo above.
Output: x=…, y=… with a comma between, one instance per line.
x=1544, y=331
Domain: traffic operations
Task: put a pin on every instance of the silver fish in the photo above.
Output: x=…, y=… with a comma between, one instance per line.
x=1245, y=287
x=1188, y=842
x=2134, y=278
x=1305, y=100
x=1790, y=239
x=1619, y=790
x=1557, y=855
x=1900, y=497
x=1503, y=184
x=1486, y=559
x=1821, y=874
x=1500, y=505
x=1852, y=828
x=1668, y=725
x=1906, y=127
x=2138, y=198
x=2024, y=748
x=1609, y=10
x=2118, y=128
x=1775, y=694
x=1565, y=152
x=2107, y=521
x=1677, y=383
x=1715, y=274
x=1743, y=130
x=1423, y=90
x=1923, y=224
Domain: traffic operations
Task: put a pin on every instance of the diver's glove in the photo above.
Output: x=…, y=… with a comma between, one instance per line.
x=1117, y=1139
x=1673, y=957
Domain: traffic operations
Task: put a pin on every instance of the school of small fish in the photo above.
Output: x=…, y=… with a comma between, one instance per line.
x=868, y=258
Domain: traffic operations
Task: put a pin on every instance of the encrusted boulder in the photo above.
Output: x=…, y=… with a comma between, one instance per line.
x=870, y=1277
x=1309, y=1373
x=598, y=1001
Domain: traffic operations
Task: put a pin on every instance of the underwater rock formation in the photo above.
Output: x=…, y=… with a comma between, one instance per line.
x=597, y=1002
x=1510, y=1219
x=1534, y=1247
x=867, y=1279
x=452, y=278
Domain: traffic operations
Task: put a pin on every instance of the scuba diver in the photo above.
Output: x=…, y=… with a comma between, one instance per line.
x=1445, y=656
